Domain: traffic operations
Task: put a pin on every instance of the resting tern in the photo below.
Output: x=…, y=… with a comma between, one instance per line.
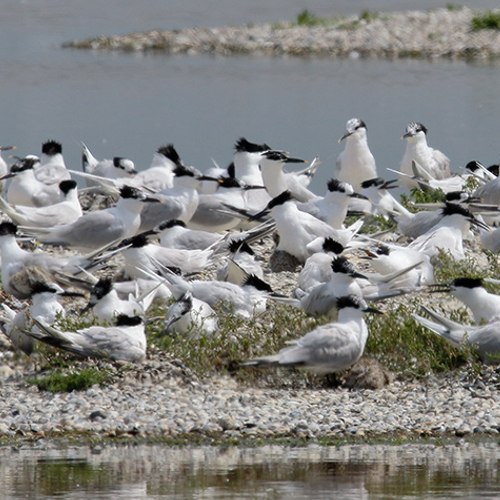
x=430, y=160
x=175, y=234
x=98, y=228
x=15, y=259
x=376, y=198
x=356, y=163
x=297, y=229
x=125, y=341
x=241, y=257
x=26, y=189
x=65, y=211
x=45, y=306
x=190, y=317
x=332, y=208
x=485, y=340
x=484, y=305
x=106, y=305
x=330, y=348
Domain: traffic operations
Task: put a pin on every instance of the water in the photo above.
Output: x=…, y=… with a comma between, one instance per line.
x=354, y=472
x=130, y=104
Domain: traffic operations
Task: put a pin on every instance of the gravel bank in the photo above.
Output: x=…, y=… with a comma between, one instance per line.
x=433, y=34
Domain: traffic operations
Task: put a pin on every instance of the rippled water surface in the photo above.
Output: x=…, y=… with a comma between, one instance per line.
x=357, y=472
x=130, y=104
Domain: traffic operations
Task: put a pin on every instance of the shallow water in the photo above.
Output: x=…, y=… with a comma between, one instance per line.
x=268, y=472
x=130, y=104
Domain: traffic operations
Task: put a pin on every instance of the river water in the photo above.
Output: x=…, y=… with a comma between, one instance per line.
x=129, y=104
x=351, y=472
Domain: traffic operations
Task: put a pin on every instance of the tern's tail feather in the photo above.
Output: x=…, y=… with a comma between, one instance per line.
x=450, y=330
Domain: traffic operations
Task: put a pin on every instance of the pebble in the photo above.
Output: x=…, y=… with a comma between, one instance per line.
x=435, y=33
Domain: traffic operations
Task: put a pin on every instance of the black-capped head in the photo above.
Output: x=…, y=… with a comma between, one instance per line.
x=124, y=320
x=330, y=245
x=353, y=301
x=138, y=241
x=342, y=266
x=280, y=199
x=351, y=126
x=183, y=171
x=494, y=169
x=130, y=192
x=454, y=209
x=102, y=288
x=171, y=223
x=229, y=182
x=169, y=152
x=8, y=228
x=382, y=250
x=244, y=146
x=456, y=196
x=67, y=185
x=51, y=148
x=414, y=128
x=467, y=283
x=473, y=165
x=231, y=170
x=23, y=164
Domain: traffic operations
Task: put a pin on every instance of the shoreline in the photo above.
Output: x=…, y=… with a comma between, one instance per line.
x=435, y=34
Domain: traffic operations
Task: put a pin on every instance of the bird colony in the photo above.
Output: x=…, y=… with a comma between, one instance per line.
x=171, y=235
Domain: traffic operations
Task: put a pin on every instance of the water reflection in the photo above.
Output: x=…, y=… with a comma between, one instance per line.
x=270, y=472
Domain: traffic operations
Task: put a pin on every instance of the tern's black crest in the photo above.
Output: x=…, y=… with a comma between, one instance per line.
x=256, y=282
x=330, y=245
x=118, y=162
x=130, y=192
x=276, y=155
x=24, y=164
x=67, y=185
x=229, y=182
x=51, y=148
x=280, y=199
x=456, y=196
x=231, y=170
x=183, y=171
x=124, y=320
x=468, y=282
x=102, y=288
x=138, y=241
x=376, y=181
x=383, y=250
x=42, y=287
x=494, y=169
x=349, y=301
x=244, y=146
x=7, y=228
x=473, y=165
x=342, y=265
x=415, y=127
x=170, y=152
x=171, y=223
x=334, y=185
x=455, y=208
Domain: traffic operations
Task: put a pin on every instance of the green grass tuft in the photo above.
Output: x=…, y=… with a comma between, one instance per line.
x=489, y=20
x=78, y=380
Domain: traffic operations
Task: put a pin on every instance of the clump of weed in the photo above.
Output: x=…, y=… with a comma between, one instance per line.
x=489, y=20
x=70, y=379
x=308, y=18
x=400, y=343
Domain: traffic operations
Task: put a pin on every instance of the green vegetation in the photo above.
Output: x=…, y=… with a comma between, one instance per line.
x=70, y=379
x=489, y=20
x=307, y=18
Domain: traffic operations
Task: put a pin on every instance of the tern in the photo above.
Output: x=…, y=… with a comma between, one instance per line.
x=485, y=340
x=330, y=348
x=98, y=228
x=45, y=306
x=51, y=170
x=125, y=341
x=297, y=229
x=356, y=163
x=430, y=160
x=65, y=211
x=175, y=234
x=190, y=317
x=484, y=305
x=276, y=181
x=4, y=168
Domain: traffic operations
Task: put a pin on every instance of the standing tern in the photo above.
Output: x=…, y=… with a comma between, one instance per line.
x=51, y=170
x=330, y=348
x=431, y=160
x=356, y=163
